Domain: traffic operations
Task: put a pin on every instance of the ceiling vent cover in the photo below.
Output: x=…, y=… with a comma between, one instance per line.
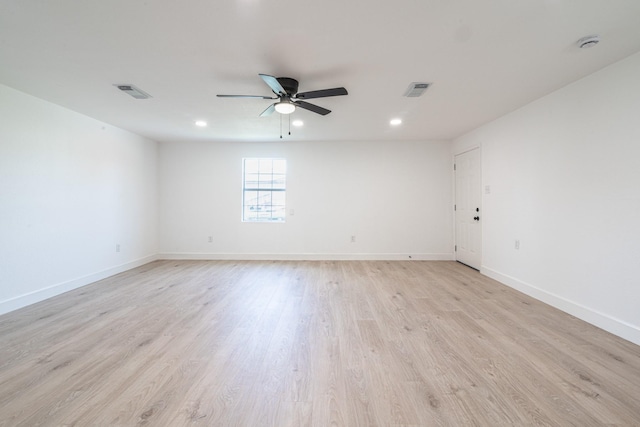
x=416, y=89
x=589, y=41
x=133, y=91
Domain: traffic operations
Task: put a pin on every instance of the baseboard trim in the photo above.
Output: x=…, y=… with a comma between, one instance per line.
x=305, y=257
x=24, y=300
x=603, y=321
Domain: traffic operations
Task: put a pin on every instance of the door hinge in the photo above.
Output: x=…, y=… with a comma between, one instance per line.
x=454, y=166
x=455, y=248
x=455, y=207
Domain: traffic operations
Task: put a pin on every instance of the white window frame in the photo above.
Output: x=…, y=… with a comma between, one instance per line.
x=259, y=189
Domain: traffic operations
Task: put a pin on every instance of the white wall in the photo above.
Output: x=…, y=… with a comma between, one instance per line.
x=71, y=189
x=394, y=197
x=564, y=177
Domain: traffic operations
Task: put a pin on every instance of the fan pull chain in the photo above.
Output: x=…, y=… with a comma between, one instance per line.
x=280, y=126
x=289, y=124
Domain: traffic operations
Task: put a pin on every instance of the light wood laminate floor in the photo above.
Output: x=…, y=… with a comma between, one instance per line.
x=228, y=343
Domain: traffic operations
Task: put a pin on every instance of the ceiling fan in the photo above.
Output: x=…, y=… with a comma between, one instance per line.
x=286, y=91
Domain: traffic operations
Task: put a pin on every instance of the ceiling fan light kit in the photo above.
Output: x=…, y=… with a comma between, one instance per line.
x=285, y=107
x=286, y=91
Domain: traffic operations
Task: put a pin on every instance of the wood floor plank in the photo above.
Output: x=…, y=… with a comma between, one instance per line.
x=309, y=343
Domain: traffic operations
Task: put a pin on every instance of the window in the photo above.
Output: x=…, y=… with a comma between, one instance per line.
x=263, y=190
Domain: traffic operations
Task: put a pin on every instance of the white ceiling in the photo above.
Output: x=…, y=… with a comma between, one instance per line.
x=484, y=58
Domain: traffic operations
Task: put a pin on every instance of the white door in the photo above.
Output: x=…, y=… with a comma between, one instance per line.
x=468, y=214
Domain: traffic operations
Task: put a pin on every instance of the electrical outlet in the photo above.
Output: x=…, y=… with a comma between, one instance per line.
x=353, y=239
x=517, y=244
x=118, y=247
x=210, y=239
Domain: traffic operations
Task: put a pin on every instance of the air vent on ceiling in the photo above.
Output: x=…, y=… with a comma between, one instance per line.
x=589, y=41
x=133, y=91
x=416, y=89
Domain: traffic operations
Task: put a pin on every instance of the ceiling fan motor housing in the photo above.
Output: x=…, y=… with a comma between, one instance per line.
x=288, y=84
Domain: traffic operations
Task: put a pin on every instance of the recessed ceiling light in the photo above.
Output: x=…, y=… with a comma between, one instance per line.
x=297, y=123
x=201, y=123
x=395, y=122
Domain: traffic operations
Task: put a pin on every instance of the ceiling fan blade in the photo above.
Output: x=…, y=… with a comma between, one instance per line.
x=269, y=111
x=312, y=107
x=274, y=84
x=337, y=91
x=245, y=96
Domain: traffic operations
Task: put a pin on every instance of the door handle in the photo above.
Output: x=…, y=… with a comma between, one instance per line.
x=476, y=218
